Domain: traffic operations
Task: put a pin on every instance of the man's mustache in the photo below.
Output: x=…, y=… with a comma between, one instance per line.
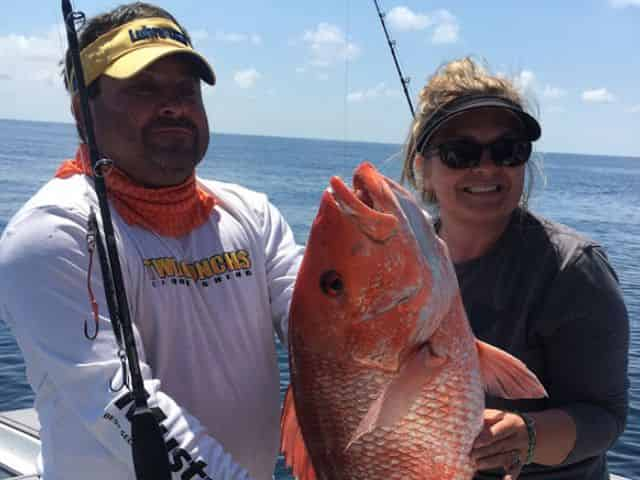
x=171, y=123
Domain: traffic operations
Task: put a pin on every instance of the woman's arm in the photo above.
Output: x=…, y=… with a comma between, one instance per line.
x=587, y=353
x=585, y=334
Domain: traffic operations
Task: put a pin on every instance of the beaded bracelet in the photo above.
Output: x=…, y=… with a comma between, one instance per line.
x=531, y=433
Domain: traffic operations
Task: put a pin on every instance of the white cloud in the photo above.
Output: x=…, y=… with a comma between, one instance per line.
x=555, y=109
x=447, y=28
x=47, y=76
x=33, y=58
x=525, y=81
x=599, y=95
x=401, y=18
x=234, y=37
x=230, y=37
x=370, y=93
x=445, y=25
x=247, y=78
x=634, y=109
x=328, y=45
x=446, y=33
x=553, y=93
x=197, y=35
x=37, y=49
x=300, y=70
x=624, y=3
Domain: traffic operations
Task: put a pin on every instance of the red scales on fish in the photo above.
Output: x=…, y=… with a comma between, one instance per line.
x=387, y=379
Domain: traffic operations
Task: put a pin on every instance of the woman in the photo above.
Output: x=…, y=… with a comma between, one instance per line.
x=532, y=287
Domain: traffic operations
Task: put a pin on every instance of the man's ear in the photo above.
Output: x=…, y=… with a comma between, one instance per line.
x=76, y=111
x=75, y=107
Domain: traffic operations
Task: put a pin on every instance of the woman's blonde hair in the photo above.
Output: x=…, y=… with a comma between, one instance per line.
x=450, y=81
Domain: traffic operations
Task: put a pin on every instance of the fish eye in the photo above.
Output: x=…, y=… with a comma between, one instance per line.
x=331, y=283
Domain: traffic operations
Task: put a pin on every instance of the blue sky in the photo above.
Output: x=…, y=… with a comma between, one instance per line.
x=323, y=69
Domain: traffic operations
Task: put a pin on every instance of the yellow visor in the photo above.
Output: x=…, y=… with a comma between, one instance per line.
x=125, y=51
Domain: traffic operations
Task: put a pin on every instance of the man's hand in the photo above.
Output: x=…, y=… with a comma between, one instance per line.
x=502, y=443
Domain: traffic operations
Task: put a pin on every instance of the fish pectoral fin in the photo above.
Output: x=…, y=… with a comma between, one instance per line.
x=505, y=376
x=292, y=444
x=399, y=394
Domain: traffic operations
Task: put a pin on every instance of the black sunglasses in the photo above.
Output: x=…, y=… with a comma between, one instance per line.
x=463, y=153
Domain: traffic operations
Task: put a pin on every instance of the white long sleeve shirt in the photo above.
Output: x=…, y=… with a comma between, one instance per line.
x=204, y=308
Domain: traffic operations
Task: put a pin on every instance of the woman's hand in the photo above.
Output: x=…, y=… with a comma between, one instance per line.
x=503, y=442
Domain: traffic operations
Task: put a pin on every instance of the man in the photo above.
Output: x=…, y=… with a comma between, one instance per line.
x=208, y=271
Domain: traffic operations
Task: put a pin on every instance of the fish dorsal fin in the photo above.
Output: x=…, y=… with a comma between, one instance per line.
x=291, y=442
x=399, y=394
x=505, y=376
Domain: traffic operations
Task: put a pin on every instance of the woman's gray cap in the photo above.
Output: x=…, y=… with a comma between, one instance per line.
x=466, y=103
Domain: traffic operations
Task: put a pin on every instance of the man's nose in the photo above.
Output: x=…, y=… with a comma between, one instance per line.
x=172, y=106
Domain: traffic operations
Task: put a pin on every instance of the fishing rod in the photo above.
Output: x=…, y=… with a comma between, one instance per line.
x=404, y=80
x=150, y=456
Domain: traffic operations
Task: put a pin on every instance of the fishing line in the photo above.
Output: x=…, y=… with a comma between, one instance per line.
x=346, y=78
x=392, y=157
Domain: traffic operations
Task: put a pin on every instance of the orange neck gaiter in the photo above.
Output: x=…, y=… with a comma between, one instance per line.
x=169, y=211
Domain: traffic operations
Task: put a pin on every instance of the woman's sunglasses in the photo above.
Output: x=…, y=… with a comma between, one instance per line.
x=505, y=152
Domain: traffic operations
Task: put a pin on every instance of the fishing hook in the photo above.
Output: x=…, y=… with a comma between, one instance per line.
x=123, y=367
x=91, y=244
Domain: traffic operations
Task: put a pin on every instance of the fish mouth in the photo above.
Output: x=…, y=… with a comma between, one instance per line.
x=367, y=203
x=362, y=199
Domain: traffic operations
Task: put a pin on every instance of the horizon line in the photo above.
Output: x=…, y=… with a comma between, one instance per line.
x=321, y=139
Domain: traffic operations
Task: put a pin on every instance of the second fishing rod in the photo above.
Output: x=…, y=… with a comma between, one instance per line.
x=403, y=80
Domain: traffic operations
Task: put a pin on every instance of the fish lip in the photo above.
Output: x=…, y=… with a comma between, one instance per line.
x=365, y=182
x=376, y=222
x=347, y=200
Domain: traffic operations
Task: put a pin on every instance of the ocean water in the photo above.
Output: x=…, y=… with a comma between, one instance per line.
x=599, y=196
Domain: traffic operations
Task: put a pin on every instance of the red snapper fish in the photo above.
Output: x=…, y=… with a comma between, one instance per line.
x=387, y=378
